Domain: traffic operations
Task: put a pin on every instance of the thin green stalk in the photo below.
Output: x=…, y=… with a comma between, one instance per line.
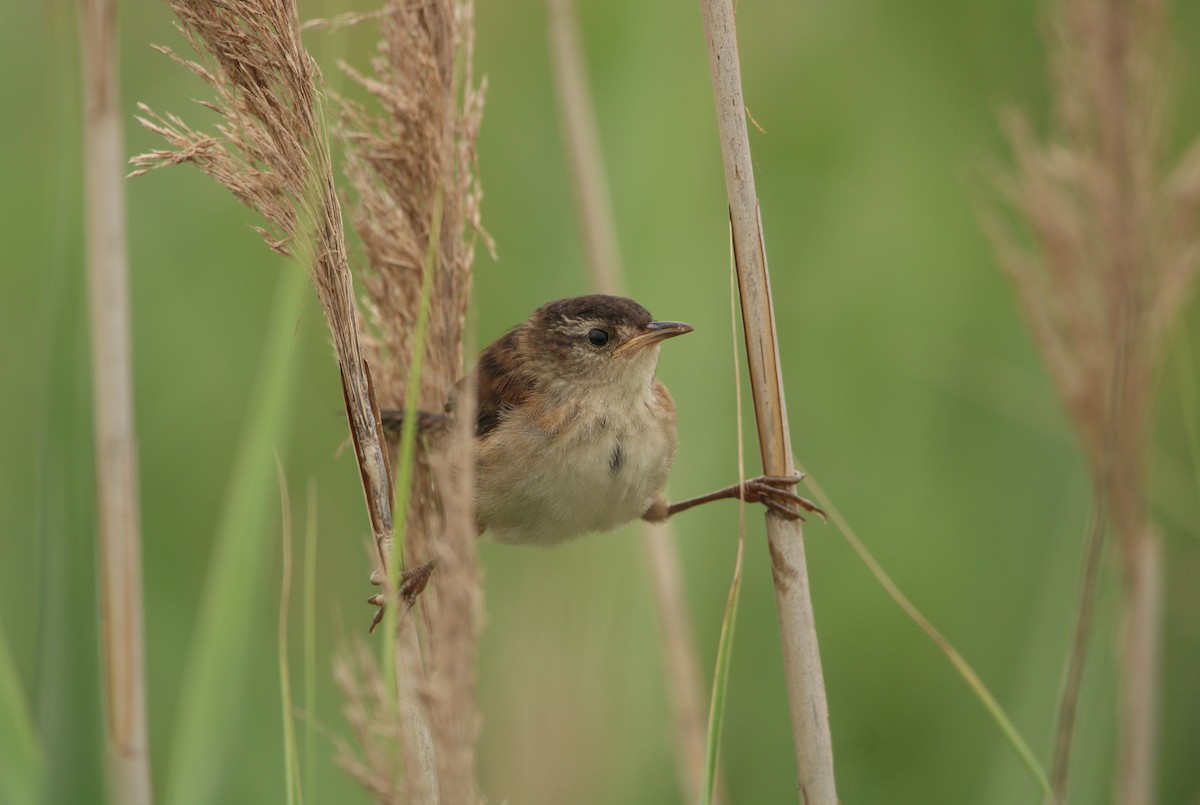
x=716, y=712
x=964, y=669
x=310, y=642
x=291, y=761
x=408, y=442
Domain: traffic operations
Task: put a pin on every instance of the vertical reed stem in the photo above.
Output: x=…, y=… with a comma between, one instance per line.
x=797, y=630
x=594, y=206
x=1140, y=653
x=119, y=551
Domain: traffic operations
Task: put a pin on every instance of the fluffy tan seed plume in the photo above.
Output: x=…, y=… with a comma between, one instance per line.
x=412, y=169
x=1104, y=256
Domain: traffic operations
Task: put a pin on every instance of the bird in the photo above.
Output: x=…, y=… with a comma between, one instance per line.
x=574, y=432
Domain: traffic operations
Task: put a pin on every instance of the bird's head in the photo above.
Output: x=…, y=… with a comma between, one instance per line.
x=597, y=340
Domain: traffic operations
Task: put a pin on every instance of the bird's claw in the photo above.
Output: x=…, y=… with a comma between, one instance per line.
x=775, y=492
x=412, y=584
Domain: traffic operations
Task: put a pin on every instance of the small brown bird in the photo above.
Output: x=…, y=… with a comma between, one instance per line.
x=574, y=433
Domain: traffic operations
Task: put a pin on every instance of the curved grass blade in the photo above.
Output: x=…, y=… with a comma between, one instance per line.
x=964, y=669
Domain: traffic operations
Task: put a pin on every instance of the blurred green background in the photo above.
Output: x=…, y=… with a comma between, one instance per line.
x=915, y=394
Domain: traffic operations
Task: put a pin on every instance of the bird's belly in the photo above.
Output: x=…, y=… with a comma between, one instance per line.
x=592, y=476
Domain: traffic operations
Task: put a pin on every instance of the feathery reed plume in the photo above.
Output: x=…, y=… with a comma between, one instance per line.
x=416, y=209
x=417, y=154
x=1101, y=264
x=365, y=696
x=119, y=553
x=785, y=540
x=272, y=153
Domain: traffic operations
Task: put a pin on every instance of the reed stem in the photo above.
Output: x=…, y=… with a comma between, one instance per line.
x=119, y=552
x=785, y=539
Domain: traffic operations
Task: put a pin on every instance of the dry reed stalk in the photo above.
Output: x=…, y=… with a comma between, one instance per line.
x=119, y=552
x=416, y=209
x=271, y=152
x=594, y=208
x=785, y=539
x=1107, y=254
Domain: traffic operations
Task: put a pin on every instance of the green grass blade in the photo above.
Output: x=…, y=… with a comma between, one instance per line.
x=964, y=669
x=21, y=755
x=716, y=712
x=310, y=643
x=291, y=760
x=236, y=583
x=408, y=436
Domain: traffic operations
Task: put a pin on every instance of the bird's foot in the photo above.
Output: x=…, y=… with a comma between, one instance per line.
x=775, y=492
x=412, y=584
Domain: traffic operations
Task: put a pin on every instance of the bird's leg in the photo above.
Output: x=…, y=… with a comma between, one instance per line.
x=773, y=491
x=412, y=584
x=428, y=423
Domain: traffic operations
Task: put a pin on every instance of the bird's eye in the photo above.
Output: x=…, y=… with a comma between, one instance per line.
x=598, y=337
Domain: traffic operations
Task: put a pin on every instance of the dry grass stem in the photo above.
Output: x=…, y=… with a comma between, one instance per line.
x=798, y=636
x=582, y=139
x=119, y=551
x=412, y=166
x=594, y=206
x=1105, y=256
x=1077, y=655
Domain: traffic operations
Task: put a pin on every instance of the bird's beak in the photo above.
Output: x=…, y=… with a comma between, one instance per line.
x=655, y=331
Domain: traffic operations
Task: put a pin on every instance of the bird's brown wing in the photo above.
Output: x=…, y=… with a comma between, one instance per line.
x=502, y=386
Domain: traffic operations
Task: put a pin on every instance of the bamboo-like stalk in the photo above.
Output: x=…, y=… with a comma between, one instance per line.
x=785, y=539
x=594, y=207
x=119, y=552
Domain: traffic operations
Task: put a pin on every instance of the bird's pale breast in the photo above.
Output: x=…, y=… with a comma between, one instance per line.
x=555, y=471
